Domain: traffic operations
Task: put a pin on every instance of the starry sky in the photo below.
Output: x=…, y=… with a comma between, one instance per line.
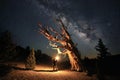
x=87, y=20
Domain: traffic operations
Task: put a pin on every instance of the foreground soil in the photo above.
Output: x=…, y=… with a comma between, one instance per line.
x=43, y=72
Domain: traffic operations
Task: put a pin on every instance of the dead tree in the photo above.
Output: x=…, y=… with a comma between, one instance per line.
x=63, y=38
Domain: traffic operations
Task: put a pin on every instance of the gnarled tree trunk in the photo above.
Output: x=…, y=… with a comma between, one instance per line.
x=66, y=42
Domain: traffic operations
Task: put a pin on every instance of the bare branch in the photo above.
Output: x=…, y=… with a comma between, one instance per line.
x=64, y=31
x=46, y=32
x=66, y=43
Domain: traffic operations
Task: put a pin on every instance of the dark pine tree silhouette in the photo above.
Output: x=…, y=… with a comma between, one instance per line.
x=103, y=60
x=101, y=48
x=7, y=47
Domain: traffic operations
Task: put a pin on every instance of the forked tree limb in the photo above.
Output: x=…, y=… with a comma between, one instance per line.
x=66, y=42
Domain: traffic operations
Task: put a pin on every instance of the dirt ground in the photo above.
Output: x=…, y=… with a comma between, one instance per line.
x=43, y=72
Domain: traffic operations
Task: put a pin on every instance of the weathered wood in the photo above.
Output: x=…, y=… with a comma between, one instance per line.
x=66, y=42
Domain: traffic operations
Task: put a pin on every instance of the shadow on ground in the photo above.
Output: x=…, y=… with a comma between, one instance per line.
x=45, y=70
x=4, y=69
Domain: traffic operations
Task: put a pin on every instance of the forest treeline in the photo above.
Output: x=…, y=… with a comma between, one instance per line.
x=10, y=51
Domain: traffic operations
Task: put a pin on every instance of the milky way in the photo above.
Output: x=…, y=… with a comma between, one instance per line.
x=86, y=21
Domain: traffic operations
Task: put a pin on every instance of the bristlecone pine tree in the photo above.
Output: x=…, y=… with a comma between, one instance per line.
x=63, y=38
x=103, y=51
x=31, y=61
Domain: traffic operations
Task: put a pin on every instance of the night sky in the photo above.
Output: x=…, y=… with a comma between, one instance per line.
x=87, y=20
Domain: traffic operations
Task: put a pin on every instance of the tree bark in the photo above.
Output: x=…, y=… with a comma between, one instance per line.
x=66, y=42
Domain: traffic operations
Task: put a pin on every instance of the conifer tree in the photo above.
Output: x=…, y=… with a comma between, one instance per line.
x=30, y=61
x=7, y=47
x=103, y=51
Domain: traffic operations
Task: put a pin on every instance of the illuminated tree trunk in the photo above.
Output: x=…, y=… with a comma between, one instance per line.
x=66, y=42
